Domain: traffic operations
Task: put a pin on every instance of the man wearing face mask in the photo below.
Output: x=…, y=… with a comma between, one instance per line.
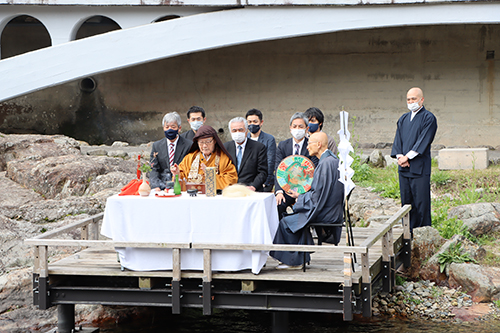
x=250, y=155
x=196, y=118
x=316, y=120
x=296, y=145
x=412, y=147
x=254, y=119
x=169, y=151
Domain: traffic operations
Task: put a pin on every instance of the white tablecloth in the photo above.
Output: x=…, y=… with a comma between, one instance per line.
x=248, y=220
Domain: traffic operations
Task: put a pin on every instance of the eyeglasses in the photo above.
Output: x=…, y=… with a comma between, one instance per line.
x=205, y=143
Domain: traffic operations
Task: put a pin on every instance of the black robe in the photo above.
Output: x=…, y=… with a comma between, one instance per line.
x=323, y=203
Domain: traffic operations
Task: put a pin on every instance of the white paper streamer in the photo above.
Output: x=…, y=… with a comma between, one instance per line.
x=344, y=147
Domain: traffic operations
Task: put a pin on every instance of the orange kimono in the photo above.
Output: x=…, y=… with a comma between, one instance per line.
x=226, y=173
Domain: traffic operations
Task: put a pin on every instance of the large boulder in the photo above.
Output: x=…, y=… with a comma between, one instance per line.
x=426, y=241
x=480, y=218
x=431, y=269
x=365, y=204
x=377, y=159
x=35, y=147
x=482, y=283
x=113, y=180
x=14, y=195
x=62, y=176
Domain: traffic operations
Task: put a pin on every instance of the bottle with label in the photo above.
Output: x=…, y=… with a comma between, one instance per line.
x=177, y=185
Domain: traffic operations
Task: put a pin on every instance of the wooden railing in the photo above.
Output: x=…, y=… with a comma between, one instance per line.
x=90, y=235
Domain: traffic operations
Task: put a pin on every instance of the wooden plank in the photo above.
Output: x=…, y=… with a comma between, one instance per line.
x=104, y=244
x=69, y=227
x=331, y=249
x=386, y=226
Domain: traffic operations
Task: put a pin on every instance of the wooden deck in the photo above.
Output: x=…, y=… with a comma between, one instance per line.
x=93, y=274
x=323, y=268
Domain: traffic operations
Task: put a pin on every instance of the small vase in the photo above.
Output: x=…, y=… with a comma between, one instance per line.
x=144, y=188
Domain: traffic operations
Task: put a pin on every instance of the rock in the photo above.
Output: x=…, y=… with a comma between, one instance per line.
x=480, y=218
x=113, y=180
x=431, y=269
x=63, y=176
x=35, y=147
x=482, y=283
x=383, y=145
x=389, y=160
x=117, y=153
x=437, y=147
x=485, y=146
x=119, y=144
x=426, y=241
x=364, y=203
x=54, y=210
x=17, y=312
x=494, y=160
x=14, y=195
x=97, y=152
x=377, y=159
x=366, y=145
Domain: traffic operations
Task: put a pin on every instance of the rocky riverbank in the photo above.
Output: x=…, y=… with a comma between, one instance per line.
x=47, y=181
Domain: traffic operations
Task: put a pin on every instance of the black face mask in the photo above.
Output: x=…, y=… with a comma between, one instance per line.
x=171, y=134
x=253, y=128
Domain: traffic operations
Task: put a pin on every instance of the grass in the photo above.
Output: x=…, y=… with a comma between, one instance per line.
x=450, y=188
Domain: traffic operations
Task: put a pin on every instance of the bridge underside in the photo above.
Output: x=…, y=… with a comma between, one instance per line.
x=279, y=60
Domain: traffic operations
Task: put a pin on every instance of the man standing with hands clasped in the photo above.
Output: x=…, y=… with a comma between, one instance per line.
x=412, y=147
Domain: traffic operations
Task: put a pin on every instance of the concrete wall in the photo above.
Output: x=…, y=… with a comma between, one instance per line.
x=366, y=72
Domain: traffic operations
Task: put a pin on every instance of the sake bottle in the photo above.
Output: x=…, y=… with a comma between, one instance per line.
x=177, y=185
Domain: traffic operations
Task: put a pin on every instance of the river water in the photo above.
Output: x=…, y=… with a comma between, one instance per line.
x=234, y=321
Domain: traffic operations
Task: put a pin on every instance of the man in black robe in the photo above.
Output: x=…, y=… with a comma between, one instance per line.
x=412, y=147
x=323, y=203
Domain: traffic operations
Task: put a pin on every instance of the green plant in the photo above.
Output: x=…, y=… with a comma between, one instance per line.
x=497, y=303
x=400, y=280
x=453, y=254
x=362, y=171
x=43, y=230
x=440, y=178
x=388, y=182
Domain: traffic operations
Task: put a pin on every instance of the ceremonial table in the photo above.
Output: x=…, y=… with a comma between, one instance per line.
x=201, y=219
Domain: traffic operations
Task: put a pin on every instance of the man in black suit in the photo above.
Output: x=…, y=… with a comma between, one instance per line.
x=250, y=155
x=196, y=118
x=167, y=151
x=296, y=145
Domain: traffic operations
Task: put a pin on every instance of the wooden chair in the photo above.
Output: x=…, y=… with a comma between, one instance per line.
x=319, y=227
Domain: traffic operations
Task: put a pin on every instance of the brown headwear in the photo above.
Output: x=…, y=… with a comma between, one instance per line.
x=206, y=131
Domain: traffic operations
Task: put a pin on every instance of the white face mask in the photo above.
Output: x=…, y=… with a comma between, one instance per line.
x=298, y=133
x=238, y=137
x=195, y=125
x=413, y=106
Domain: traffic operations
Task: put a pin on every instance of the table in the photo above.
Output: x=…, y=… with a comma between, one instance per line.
x=201, y=219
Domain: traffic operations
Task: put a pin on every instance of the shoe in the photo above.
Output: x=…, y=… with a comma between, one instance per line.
x=284, y=266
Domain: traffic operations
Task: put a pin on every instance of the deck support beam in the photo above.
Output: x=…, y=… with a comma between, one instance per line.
x=347, y=297
x=65, y=318
x=280, y=322
x=176, y=281
x=207, y=282
x=366, y=286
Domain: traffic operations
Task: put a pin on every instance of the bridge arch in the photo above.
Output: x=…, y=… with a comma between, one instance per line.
x=22, y=33
x=165, y=18
x=119, y=49
x=93, y=25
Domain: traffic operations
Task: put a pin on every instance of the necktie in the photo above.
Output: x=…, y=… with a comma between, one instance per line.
x=171, y=154
x=297, y=149
x=238, y=157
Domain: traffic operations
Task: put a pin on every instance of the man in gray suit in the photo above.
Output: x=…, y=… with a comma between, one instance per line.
x=167, y=151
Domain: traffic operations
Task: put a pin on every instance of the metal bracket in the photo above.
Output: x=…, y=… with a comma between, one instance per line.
x=207, y=298
x=43, y=293
x=176, y=297
x=347, y=303
x=366, y=299
x=406, y=252
x=386, y=276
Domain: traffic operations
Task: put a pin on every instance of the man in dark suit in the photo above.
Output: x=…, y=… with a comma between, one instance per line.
x=296, y=145
x=167, y=151
x=412, y=147
x=255, y=121
x=196, y=118
x=250, y=155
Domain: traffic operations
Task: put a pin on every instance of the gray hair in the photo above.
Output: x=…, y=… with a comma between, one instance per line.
x=238, y=120
x=171, y=117
x=299, y=115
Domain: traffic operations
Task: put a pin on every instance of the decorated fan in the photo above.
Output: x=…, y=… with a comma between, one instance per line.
x=295, y=172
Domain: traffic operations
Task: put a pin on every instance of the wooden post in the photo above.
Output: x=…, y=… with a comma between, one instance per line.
x=43, y=282
x=406, y=250
x=387, y=250
x=366, y=285
x=176, y=281
x=207, y=282
x=347, y=299
x=85, y=232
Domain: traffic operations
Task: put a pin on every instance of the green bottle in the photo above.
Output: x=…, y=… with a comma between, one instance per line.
x=177, y=186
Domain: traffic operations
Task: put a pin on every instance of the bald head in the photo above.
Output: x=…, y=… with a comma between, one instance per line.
x=318, y=143
x=415, y=95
